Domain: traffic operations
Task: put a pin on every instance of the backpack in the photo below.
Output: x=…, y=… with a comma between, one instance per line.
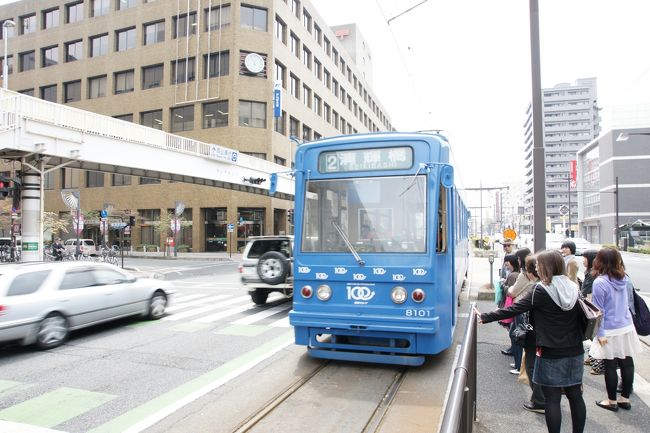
x=642, y=317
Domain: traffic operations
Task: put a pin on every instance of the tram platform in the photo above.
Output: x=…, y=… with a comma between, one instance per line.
x=500, y=396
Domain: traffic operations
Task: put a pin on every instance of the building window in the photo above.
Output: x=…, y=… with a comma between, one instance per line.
x=28, y=92
x=294, y=45
x=216, y=64
x=152, y=76
x=281, y=74
x=120, y=179
x=215, y=114
x=48, y=93
x=306, y=96
x=306, y=57
x=152, y=119
x=125, y=39
x=99, y=7
x=48, y=180
x=49, y=56
x=280, y=30
x=217, y=17
x=279, y=161
x=306, y=133
x=294, y=126
x=50, y=18
x=318, y=34
x=154, y=33
x=306, y=20
x=328, y=112
x=74, y=12
x=10, y=64
x=318, y=69
x=252, y=114
x=327, y=78
x=73, y=51
x=123, y=81
x=280, y=123
x=98, y=45
x=183, y=25
x=27, y=61
x=94, y=179
x=182, y=118
x=183, y=70
x=318, y=109
x=126, y=4
x=71, y=177
x=96, y=87
x=124, y=117
x=72, y=91
x=294, y=86
x=295, y=7
x=28, y=24
x=149, y=181
x=253, y=18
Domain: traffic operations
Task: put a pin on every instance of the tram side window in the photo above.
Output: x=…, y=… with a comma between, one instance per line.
x=441, y=242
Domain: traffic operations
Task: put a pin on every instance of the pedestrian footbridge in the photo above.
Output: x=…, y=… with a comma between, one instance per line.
x=43, y=135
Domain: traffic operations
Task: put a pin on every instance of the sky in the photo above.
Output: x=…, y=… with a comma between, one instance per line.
x=464, y=66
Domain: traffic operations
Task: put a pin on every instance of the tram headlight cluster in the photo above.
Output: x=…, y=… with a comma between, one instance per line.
x=399, y=295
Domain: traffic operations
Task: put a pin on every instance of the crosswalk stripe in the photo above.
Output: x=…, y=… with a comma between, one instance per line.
x=282, y=323
x=223, y=314
x=201, y=310
x=185, y=298
x=261, y=315
x=196, y=302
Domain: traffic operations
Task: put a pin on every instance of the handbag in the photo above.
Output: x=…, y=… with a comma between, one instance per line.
x=593, y=318
x=508, y=302
x=520, y=331
x=641, y=316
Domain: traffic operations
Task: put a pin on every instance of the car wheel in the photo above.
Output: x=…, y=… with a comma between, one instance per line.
x=157, y=305
x=273, y=267
x=52, y=331
x=259, y=297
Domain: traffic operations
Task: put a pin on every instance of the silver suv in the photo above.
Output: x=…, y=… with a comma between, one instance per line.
x=266, y=267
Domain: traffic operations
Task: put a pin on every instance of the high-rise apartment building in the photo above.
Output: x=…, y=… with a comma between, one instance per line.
x=203, y=69
x=571, y=121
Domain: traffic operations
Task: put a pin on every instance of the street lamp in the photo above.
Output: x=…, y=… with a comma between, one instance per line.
x=5, y=63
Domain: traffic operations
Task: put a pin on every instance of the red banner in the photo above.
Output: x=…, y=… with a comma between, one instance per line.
x=574, y=173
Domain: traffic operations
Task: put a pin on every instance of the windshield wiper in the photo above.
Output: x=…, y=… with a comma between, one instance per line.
x=348, y=244
x=415, y=176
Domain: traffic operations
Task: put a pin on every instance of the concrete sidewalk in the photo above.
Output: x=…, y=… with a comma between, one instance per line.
x=217, y=256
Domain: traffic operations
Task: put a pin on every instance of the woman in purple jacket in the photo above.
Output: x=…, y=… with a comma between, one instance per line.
x=616, y=341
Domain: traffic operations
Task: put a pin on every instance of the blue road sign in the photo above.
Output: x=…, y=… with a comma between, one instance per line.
x=231, y=227
x=103, y=213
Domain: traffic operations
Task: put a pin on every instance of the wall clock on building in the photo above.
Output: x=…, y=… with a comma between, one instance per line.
x=254, y=63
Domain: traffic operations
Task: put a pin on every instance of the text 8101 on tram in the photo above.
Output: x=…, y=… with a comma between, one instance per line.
x=381, y=247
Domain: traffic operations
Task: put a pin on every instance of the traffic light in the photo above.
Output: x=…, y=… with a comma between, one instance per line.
x=132, y=221
x=290, y=215
x=4, y=189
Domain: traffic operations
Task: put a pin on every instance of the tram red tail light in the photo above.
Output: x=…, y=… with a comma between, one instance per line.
x=418, y=295
x=306, y=292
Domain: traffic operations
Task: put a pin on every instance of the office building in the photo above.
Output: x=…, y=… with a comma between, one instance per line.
x=571, y=120
x=203, y=69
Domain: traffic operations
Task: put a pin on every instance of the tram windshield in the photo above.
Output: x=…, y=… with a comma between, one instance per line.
x=377, y=214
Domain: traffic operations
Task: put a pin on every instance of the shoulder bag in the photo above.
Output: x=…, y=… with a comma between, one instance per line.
x=593, y=318
x=522, y=329
x=641, y=315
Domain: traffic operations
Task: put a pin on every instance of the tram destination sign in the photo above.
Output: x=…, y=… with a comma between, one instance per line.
x=383, y=158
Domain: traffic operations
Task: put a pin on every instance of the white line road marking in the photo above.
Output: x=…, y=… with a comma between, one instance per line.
x=196, y=302
x=261, y=315
x=223, y=314
x=282, y=323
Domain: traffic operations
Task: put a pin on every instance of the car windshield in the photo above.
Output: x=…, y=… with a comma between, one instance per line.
x=386, y=214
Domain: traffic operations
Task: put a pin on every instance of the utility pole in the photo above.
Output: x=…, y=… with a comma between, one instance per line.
x=481, y=188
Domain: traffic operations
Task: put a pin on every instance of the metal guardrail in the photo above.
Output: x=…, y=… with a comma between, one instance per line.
x=460, y=413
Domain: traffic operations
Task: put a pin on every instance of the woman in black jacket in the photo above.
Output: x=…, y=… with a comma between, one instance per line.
x=558, y=324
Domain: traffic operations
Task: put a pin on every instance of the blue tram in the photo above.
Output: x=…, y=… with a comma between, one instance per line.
x=381, y=247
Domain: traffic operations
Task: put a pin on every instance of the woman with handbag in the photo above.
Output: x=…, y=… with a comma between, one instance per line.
x=616, y=341
x=515, y=292
x=511, y=265
x=558, y=324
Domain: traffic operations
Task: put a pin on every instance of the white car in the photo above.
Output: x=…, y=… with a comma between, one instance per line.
x=86, y=246
x=554, y=241
x=40, y=303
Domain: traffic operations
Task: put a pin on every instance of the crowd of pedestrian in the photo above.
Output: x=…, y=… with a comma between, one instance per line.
x=543, y=302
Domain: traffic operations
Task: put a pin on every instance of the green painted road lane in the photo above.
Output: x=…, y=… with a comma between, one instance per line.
x=155, y=410
x=55, y=407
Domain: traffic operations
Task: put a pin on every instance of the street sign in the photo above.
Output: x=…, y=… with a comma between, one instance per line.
x=103, y=214
x=30, y=246
x=175, y=225
x=564, y=209
x=118, y=225
x=231, y=228
x=78, y=225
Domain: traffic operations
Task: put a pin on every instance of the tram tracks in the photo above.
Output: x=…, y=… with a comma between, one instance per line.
x=371, y=425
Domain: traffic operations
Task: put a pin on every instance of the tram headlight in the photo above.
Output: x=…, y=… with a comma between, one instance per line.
x=398, y=295
x=306, y=292
x=418, y=295
x=324, y=292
